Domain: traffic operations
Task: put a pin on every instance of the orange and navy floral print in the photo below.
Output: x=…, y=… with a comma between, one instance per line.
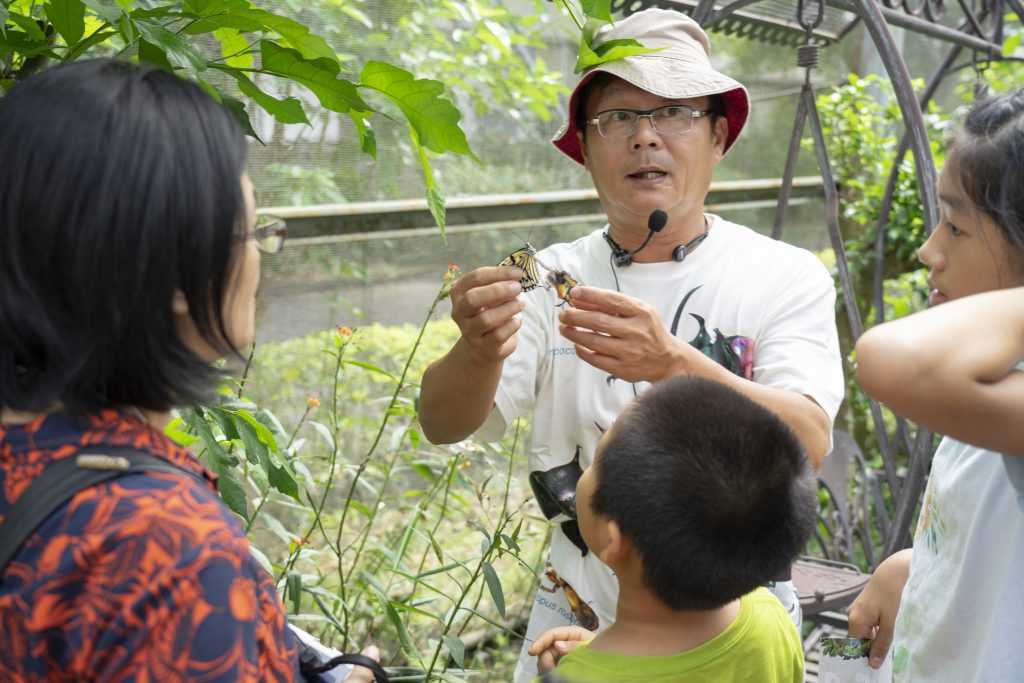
x=147, y=577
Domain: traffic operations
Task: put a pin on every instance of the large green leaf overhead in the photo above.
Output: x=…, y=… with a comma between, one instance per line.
x=434, y=118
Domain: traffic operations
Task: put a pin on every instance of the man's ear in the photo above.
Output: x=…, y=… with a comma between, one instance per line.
x=719, y=134
x=583, y=148
x=179, y=304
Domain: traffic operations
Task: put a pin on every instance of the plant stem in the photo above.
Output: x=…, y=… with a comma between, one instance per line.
x=318, y=508
x=245, y=372
x=484, y=560
x=365, y=463
x=572, y=15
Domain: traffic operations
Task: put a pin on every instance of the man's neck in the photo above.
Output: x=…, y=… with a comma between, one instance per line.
x=644, y=626
x=678, y=230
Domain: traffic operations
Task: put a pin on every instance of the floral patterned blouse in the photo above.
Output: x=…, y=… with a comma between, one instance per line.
x=147, y=577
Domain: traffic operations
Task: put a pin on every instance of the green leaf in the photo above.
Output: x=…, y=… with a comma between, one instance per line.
x=237, y=109
x=367, y=138
x=202, y=6
x=1011, y=44
x=480, y=527
x=435, y=201
x=232, y=492
x=609, y=52
x=226, y=421
x=597, y=9
x=288, y=110
x=282, y=480
x=510, y=543
x=403, y=545
x=148, y=52
x=456, y=648
x=494, y=586
x=434, y=118
x=263, y=560
x=263, y=432
x=296, y=35
x=110, y=13
x=319, y=75
x=370, y=368
x=20, y=42
x=127, y=28
x=175, y=430
x=233, y=47
x=438, y=553
x=293, y=587
x=68, y=17
x=325, y=433
x=403, y=635
x=30, y=26
x=360, y=508
x=178, y=51
x=80, y=48
x=250, y=19
x=255, y=450
x=219, y=458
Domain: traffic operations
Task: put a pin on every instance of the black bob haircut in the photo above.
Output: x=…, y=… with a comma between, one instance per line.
x=714, y=491
x=988, y=149
x=119, y=184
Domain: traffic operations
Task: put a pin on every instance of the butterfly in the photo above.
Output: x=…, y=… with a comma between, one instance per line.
x=525, y=258
x=563, y=284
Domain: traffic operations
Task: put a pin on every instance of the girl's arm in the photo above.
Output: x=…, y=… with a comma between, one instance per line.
x=950, y=368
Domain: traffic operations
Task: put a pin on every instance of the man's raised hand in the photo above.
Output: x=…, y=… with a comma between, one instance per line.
x=623, y=336
x=484, y=305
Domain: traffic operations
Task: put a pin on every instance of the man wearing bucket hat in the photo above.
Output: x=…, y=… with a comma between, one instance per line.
x=666, y=289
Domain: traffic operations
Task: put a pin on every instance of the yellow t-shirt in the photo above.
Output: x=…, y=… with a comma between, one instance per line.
x=760, y=646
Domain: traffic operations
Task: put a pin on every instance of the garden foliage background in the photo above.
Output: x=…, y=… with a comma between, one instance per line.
x=371, y=532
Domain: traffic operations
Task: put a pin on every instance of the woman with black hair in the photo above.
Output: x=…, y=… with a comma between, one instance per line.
x=129, y=263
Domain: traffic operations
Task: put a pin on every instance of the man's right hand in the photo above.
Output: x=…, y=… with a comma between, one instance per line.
x=873, y=613
x=484, y=306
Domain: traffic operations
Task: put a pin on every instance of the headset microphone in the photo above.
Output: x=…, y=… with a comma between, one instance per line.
x=655, y=223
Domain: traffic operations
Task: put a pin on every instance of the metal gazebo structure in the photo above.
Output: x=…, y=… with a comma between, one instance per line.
x=973, y=33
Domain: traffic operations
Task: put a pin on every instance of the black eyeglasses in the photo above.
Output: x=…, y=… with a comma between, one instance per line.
x=672, y=119
x=269, y=233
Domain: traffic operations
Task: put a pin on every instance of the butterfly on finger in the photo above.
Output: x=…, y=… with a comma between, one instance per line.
x=525, y=258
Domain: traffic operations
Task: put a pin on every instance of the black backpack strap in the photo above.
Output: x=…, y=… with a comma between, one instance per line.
x=62, y=479
x=379, y=675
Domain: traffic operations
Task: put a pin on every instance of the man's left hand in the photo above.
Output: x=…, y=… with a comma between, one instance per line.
x=624, y=337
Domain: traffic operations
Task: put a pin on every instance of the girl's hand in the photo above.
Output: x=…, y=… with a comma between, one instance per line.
x=555, y=643
x=873, y=613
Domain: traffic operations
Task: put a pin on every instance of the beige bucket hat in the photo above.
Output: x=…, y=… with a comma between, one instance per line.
x=681, y=69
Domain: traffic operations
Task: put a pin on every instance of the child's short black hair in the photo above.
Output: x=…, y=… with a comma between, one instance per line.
x=712, y=488
x=119, y=185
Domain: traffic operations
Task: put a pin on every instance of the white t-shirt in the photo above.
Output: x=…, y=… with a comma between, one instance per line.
x=739, y=282
x=962, y=611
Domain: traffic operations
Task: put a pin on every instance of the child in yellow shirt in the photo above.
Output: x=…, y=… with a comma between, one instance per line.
x=698, y=496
